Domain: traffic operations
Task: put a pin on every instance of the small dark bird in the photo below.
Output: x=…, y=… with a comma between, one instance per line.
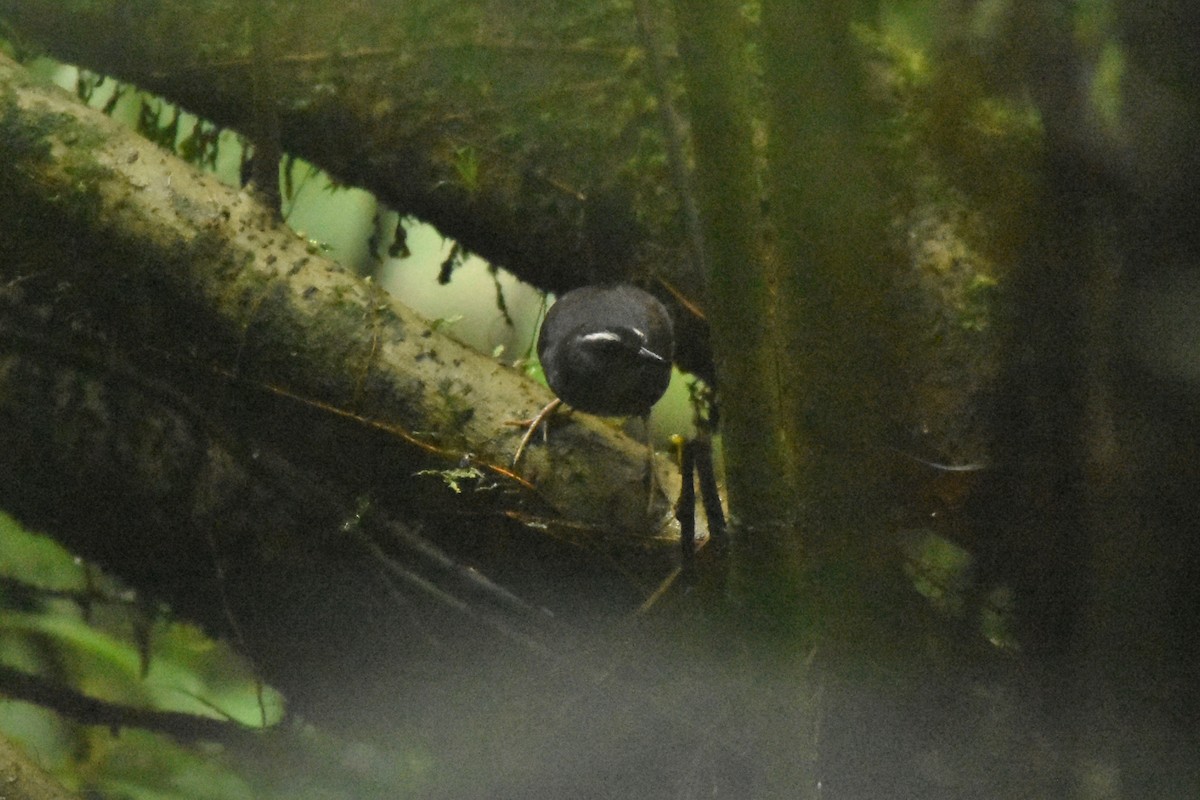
x=605, y=350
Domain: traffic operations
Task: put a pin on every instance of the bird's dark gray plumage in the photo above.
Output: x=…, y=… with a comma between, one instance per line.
x=607, y=350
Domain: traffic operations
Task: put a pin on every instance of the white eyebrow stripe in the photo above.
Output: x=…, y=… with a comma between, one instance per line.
x=641, y=335
x=600, y=336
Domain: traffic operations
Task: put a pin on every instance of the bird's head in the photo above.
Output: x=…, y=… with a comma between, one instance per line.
x=608, y=350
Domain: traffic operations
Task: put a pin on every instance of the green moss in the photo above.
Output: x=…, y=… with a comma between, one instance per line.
x=453, y=478
x=27, y=138
x=978, y=299
x=466, y=166
x=455, y=410
x=1105, y=95
x=83, y=188
x=28, y=132
x=24, y=138
x=939, y=570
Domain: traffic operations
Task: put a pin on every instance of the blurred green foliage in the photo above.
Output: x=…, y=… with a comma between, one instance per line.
x=65, y=621
x=939, y=569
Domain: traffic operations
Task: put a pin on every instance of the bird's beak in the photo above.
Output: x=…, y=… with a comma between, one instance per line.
x=650, y=355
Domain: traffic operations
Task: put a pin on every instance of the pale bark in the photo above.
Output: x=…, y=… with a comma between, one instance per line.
x=179, y=372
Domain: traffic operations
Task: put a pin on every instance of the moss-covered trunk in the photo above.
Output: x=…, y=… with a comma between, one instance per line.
x=740, y=284
x=798, y=269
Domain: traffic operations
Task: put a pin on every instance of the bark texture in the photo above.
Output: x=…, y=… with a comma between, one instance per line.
x=192, y=398
x=529, y=132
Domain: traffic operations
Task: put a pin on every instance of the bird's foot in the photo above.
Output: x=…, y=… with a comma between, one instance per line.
x=531, y=425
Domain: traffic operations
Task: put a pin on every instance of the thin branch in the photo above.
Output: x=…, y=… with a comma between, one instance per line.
x=19, y=685
x=672, y=129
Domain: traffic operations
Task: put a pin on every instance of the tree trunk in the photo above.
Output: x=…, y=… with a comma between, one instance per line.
x=758, y=466
x=192, y=398
x=420, y=103
x=1094, y=518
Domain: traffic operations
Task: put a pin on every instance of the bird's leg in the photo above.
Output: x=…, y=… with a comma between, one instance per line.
x=710, y=496
x=685, y=512
x=534, y=424
x=650, y=464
